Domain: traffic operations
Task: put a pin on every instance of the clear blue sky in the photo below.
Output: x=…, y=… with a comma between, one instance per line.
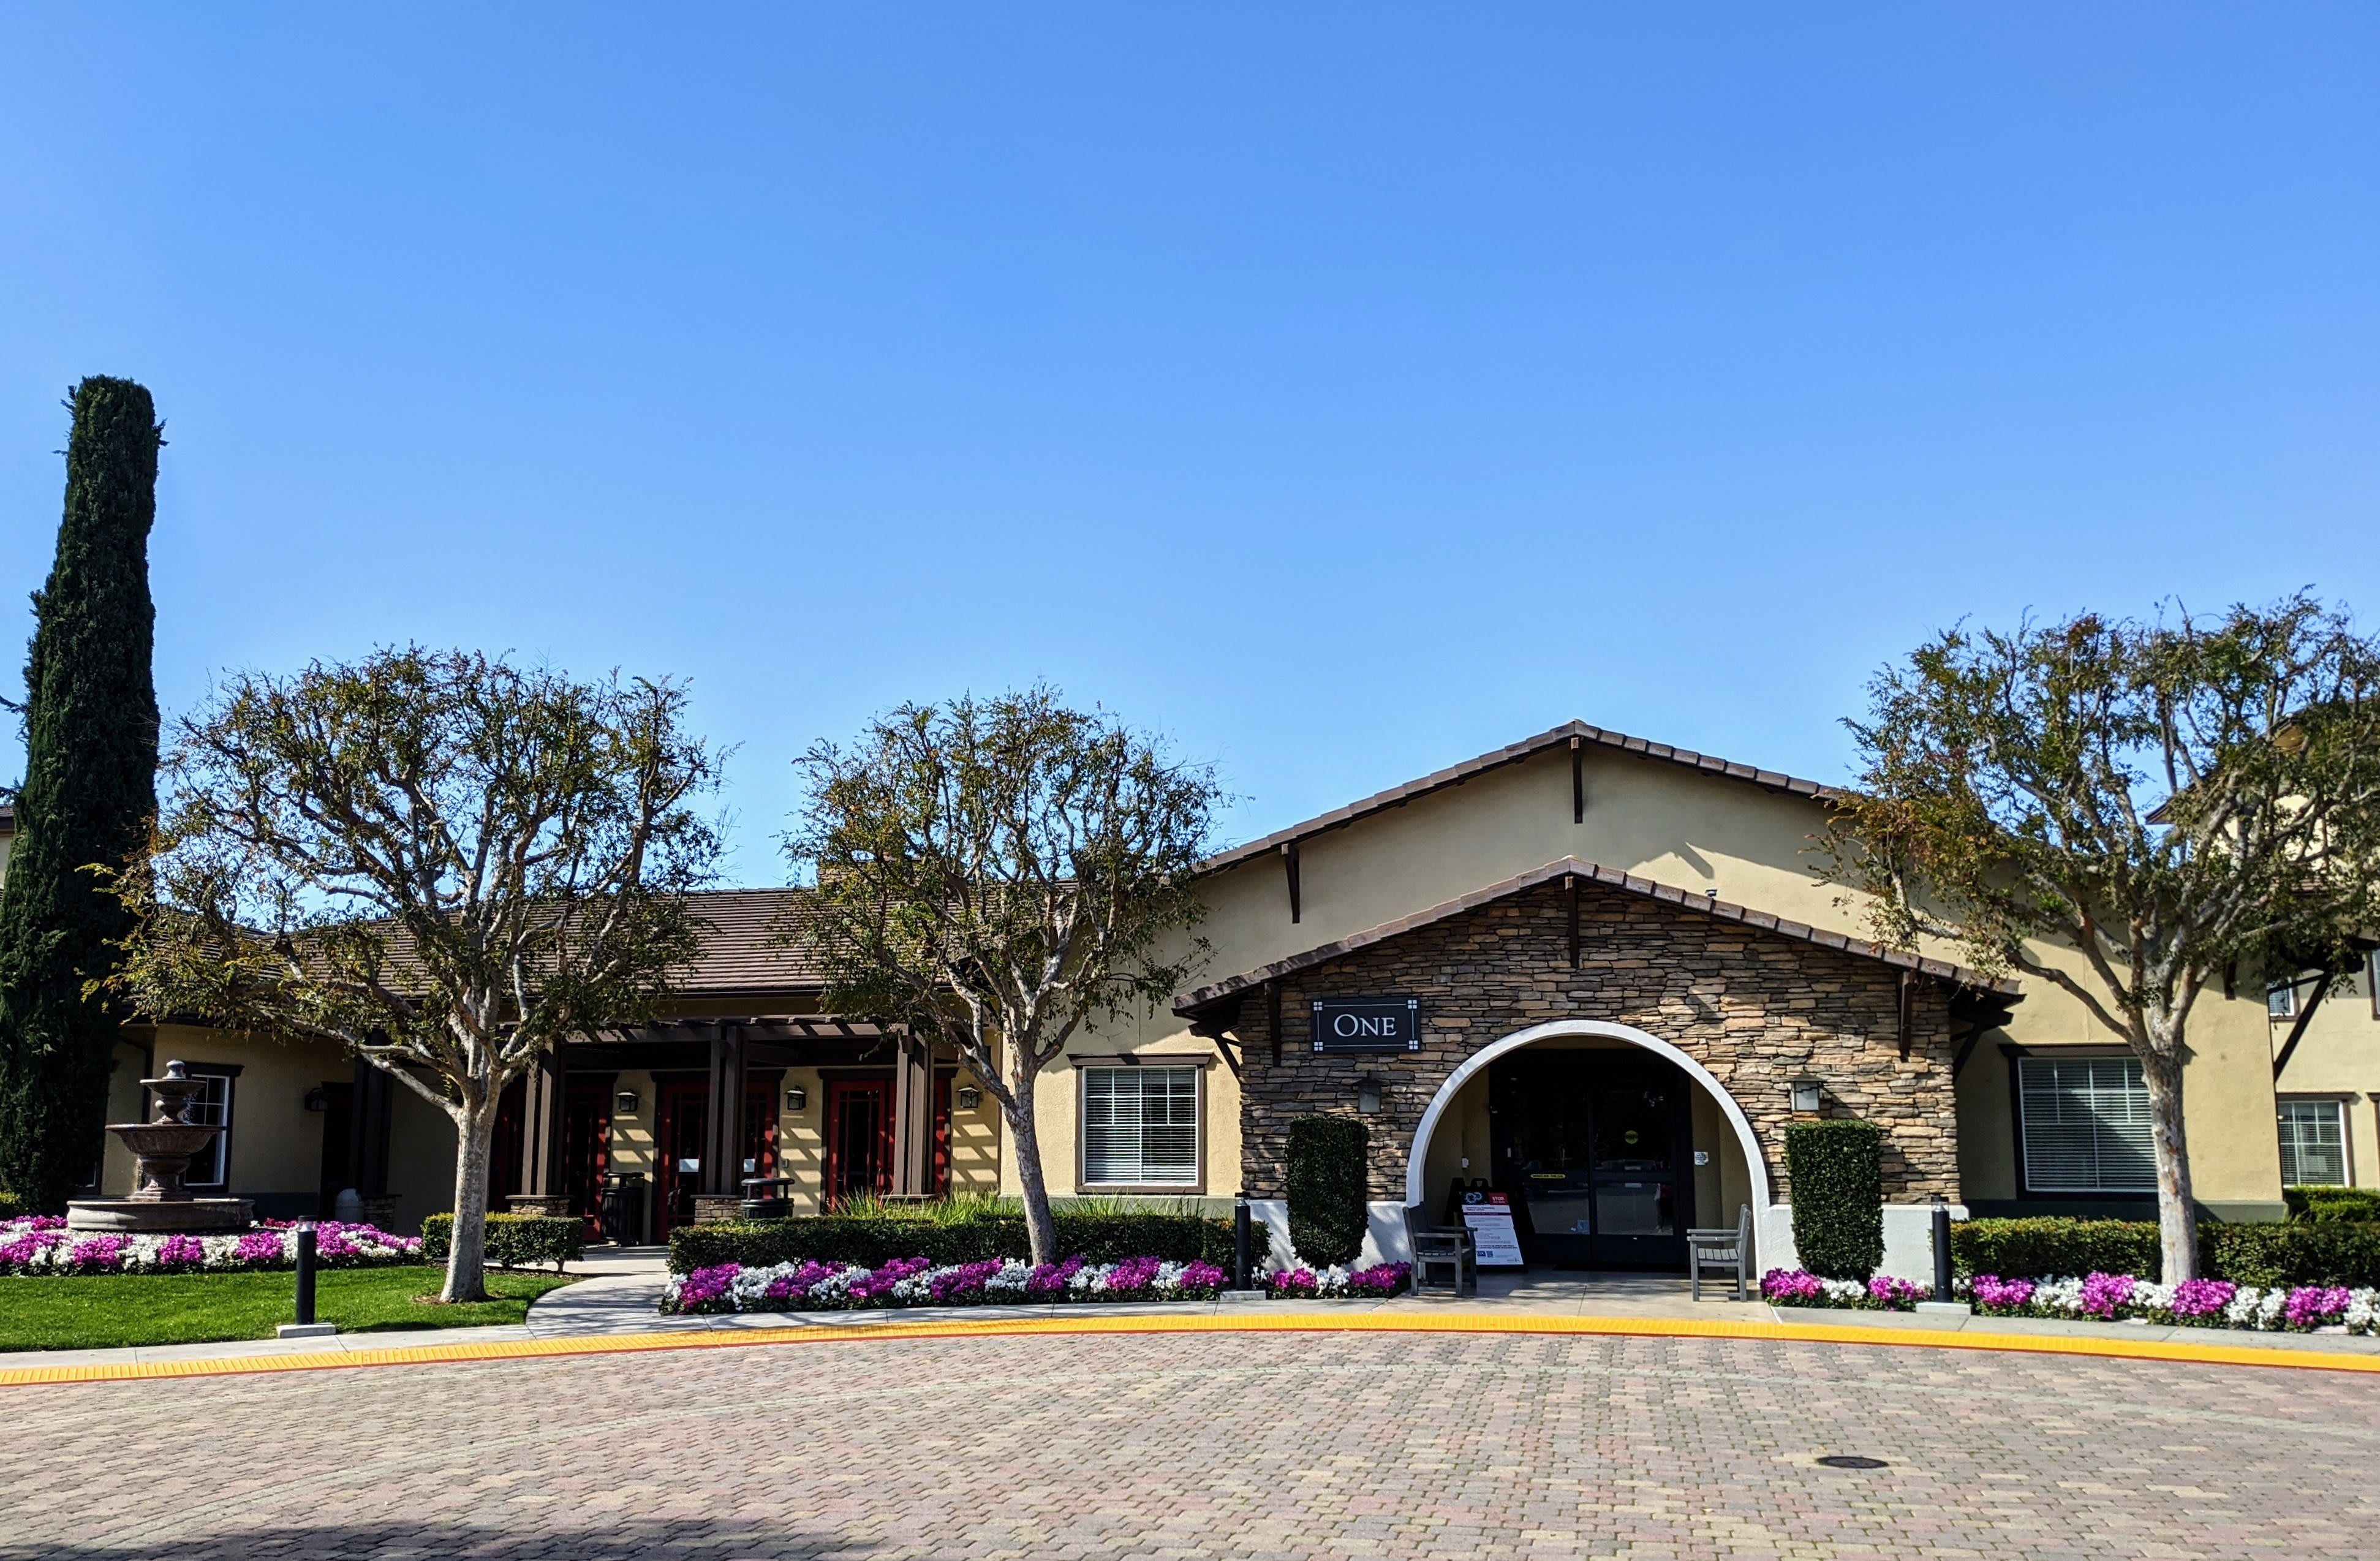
x=1343, y=393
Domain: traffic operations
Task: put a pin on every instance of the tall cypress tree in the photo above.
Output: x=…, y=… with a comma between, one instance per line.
x=90, y=792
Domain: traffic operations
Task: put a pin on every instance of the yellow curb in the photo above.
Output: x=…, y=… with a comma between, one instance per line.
x=1260, y=1322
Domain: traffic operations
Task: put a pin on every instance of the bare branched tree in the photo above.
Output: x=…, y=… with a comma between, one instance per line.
x=2171, y=800
x=998, y=873
x=442, y=862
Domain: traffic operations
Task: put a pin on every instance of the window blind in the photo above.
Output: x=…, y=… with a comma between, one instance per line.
x=1140, y=1125
x=2314, y=1144
x=2086, y=1125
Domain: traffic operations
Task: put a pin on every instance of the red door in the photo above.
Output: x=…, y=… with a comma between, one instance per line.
x=858, y=1137
x=586, y=1144
x=677, y=1169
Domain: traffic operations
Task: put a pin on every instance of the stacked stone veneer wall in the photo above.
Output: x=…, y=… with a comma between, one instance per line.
x=1756, y=1008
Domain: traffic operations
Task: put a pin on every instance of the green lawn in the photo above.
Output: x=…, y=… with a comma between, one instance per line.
x=97, y=1310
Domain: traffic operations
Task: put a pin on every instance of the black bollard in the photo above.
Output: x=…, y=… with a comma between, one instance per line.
x=1240, y=1242
x=305, y=1273
x=1941, y=1252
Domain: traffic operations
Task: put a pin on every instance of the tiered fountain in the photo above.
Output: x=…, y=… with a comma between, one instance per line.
x=162, y=1149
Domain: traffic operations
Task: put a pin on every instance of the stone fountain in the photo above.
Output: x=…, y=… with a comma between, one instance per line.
x=162, y=1150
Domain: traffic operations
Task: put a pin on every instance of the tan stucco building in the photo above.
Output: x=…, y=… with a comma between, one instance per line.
x=1597, y=973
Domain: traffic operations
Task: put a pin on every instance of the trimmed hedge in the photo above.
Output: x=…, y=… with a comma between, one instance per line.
x=2321, y=1205
x=2317, y=1252
x=876, y=1240
x=1329, y=1188
x=1836, y=1171
x=513, y=1241
x=11, y=1206
x=2055, y=1248
x=2325, y=1252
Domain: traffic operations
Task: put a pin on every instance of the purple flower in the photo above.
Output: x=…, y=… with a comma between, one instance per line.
x=99, y=1254
x=878, y=1285
x=1790, y=1287
x=2310, y=1305
x=2103, y=1295
x=259, y=1247
x=2199, y=1299
x=1894, y=1295
x=1381, y=1279
x=709, y=1289
x=1049, y=1281
x=177, y=1254
x=1994, y=1294
x=1293, y=1283
x=965, y=1282
x=1201, y=1279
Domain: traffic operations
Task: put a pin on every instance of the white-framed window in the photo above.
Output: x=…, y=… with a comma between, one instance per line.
x=1140, y=1127
x=2314, y=1144
x=2084, y=1123
x=2372, y=979
x=211, y=1165
x=2281, y=1001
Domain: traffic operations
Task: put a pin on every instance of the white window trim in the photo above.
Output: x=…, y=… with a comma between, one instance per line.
x=2346, y=1118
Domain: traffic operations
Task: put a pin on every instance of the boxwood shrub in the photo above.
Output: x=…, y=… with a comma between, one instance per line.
x=2056, y=1248
x=1836, y=1171
x=2316, y=1252
x=2324, y=1253
x=1329, y=1188
x=876, y=1239
x=513, y=1241
x=2319, y=1204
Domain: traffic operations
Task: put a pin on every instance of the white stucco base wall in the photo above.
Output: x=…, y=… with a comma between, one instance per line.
x=1386, y=1241
x=1908, y=1240
x=1908, y=1236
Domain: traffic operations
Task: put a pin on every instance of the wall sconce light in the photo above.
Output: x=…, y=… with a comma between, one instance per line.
x=317, y=1099
x=970, y=1098
x=1367, y=1095
x=798, y=1099
x=1807, y=1095
x=625, y=1103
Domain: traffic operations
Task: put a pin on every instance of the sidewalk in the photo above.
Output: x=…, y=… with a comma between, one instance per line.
x=619, y=1295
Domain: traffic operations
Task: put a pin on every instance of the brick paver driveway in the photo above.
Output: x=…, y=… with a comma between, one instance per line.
x=1234, y=1445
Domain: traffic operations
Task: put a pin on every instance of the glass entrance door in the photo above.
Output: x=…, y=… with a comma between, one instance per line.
x=1593, y=1144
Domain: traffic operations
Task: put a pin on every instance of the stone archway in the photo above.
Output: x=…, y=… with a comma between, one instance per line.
x=1754, y=1164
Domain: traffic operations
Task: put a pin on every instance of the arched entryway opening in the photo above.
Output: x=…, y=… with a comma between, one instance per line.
x=1592, y=1205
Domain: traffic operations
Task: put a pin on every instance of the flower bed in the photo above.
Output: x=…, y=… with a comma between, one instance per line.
x=1377, y=1283
x=43, y=1245
x=2106, y=1298
x=1792, y=1286
x=906, y=1282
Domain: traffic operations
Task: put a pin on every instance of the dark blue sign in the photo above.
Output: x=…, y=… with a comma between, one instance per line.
x=1384, y=1024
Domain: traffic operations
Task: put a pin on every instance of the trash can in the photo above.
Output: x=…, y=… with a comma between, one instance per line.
x=623, y=1217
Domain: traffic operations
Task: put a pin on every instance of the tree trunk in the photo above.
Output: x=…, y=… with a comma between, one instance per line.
x=2177, y=1210
x=1040, y=1229
x=466, y=1276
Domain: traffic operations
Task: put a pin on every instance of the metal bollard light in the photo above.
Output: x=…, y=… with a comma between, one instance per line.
x=305, y=1273
x=1941, y=1252
x=1239, y=1237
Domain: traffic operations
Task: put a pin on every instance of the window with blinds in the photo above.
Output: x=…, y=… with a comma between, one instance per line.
x=1140, y=1127
x=2314, y=1144
x=2085, y=1122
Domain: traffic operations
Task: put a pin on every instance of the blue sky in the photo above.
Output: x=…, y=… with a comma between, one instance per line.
x=1342, y=393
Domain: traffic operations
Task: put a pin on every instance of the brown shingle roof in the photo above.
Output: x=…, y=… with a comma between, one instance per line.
x=1191, y=1003
x=1338, y=818
x=743, y=951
